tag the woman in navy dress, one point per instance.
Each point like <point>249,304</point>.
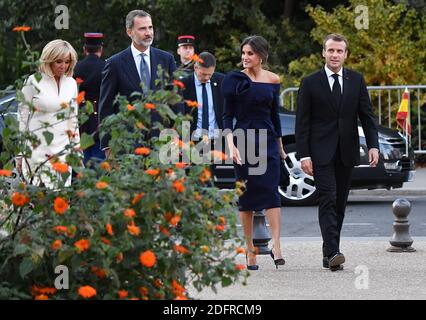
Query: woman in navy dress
<point>252,98</point>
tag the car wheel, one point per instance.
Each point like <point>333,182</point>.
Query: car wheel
<point>301,191</point>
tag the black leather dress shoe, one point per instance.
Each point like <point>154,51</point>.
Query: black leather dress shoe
<point>325,265</point>
<point>335,261</point>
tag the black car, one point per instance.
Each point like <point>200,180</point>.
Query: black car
<point>394,167</point>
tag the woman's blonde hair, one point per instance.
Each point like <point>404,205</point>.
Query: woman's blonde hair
<point>55,50</point>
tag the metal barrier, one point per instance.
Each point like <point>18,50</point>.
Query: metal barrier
<point>4,93</point>
<point>387,100</point>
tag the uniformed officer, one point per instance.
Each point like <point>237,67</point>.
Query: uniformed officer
<point>89,70</point>
<point>186,51</point>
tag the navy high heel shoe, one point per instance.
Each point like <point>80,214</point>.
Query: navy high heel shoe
<point>252,267</point>
<point>278,262</point>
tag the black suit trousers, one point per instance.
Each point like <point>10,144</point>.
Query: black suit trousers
<point>333,182</point>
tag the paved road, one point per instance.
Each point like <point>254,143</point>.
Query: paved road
<point>364,218</point>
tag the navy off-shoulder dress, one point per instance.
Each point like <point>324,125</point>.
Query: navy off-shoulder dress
<point>254,105</point>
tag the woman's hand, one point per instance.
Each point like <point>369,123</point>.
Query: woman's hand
<point>235,154</point>
<point>283,155</point>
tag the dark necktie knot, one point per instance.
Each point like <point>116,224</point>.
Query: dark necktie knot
<point>335,76</point>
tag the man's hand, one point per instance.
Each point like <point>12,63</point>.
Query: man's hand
<point>373,157</point>
<point>107,153</point>
<point>307,167</point>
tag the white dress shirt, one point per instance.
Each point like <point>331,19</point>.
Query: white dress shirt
<point>213,128</point>
<point>137,57</point>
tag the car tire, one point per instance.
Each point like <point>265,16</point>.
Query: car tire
<point>301,191</point>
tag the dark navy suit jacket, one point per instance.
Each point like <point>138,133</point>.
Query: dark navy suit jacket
<point>120,76</point>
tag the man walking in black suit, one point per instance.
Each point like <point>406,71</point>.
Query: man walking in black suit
<point>329,103</point>
<point>204,85</point>
<point>135,68</point>
<point>89,70</point>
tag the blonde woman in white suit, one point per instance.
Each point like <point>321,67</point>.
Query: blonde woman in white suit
<point>55,93</point>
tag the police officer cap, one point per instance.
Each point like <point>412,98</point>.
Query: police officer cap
<point>186,40</point>
<point>93,39</point>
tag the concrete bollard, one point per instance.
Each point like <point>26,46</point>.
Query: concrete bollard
<point>401,240</point>
<point>261,235</point>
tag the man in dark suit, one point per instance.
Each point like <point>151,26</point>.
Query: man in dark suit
<point>329,103</point>
<point>135,68</point>
<point>204,86</point>
<point>89,70</point>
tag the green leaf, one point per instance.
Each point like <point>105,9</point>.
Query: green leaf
<point>86,141</point>
<point>48,136</point>
<point>25,267</point>
<point>65,254</point>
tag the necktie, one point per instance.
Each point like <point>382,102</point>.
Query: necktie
<point>145,77</point>
<point>337,90</point>
<point>205,119</point>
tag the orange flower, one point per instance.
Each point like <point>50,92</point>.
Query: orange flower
<point>119,258</point>
<point>35,291</point>
<point>196,58</point>
<point>57,244</point>
<point>177,288</point>
<point>129,213</point>
<point>60,205</point>
<point>106,241</point>
<point>80,97</point>
<point>71,231</point>
<point>41,297</point>
<point>152,172</point>
<point>178,185</point>
<point>164,231</point>
<point>130,107</point>
<point>87,292</point>
<point>137,198</point>
<point>240,250</point>
<point>197,196</point>
<point>148,259</point>
<point>181,165</point>
<point>19,199</point>
<point>106,166</point>
<point>60,167</point>
<point>158,283</point>
<point>239,267</point>
<point>175,220</point>
<point>205,249</point>
<point>5,173</point>
<point>101,185</point>
<point>179,84</point>
<point>109,229</point>
<point>123,294</point>
<point>205,175</point>
<point>133,229</point>
<point>149,106</point>
<point>79,80</point>
<point>222,220</point>
<point>180,249</point>
<point>168,216</point>
<point>143,291</point>
<point>142,151</point>
<point>192,104</point>
<point>220,228</point>
<point>100,273</point>
<point>21,29</point>
<point>183,297</point>
<point>60,229</point>
<point>82,245</point>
